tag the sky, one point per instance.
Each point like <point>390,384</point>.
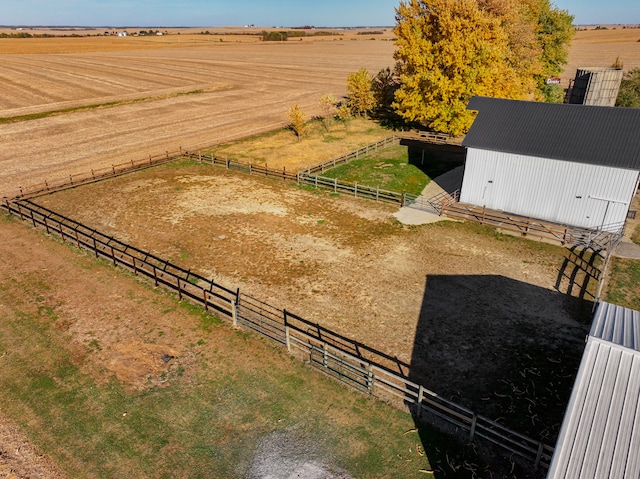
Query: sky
<point>288,13</point>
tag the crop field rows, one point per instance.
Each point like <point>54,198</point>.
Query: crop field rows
<point>191,96</point>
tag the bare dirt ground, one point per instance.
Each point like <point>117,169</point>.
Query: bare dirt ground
<point>460,305</point>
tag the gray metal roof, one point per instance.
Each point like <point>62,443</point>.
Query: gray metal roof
<point>600,434</point>
<point>617,325</point>
<point>597,135</point>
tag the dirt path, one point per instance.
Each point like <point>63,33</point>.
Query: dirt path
<point>19,459</point>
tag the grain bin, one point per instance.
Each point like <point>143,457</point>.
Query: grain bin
<point>596,86</point>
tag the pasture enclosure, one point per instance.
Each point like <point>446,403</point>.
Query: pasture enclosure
<point>310,253</point>
<point>353,363</point>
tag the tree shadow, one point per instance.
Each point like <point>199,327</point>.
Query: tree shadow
<point>505,349</point>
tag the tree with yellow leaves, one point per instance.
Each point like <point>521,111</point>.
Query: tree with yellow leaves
<point>447,52</point>
<point>451,50</point>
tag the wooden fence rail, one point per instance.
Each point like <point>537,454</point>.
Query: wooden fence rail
<point>243,167</point>
<point>365,150</point>
<point>50,186</point>
<point>378,381</point>
<point>352,189</point>
<point>188,285</point>
<point>348,361</point>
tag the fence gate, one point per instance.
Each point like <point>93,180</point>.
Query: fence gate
<point>347,370</point>
<point>261,317</point>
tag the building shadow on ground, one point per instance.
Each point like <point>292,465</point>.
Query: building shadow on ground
<point>503,348</point>
<point>434,160</point>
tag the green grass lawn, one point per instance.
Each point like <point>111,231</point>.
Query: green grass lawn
<point>624,284</point>
<point>387,168</point>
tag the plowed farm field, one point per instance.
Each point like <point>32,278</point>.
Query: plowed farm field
<point>115,106</point>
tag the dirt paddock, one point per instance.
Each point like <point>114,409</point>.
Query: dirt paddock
<point>464,307</point>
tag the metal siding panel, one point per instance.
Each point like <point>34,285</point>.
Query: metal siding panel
<point>617,325</point>
<point>567,438</point>
<point>585,423</point>
<point>602,415</point>
<point>543,188</point>
<point>479,168</point>
<point>600,434</point>
<point>615,419</point>
<point>626,443</point>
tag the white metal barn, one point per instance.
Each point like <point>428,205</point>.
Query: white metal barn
<point>600,433</point>
<point>576,165</point>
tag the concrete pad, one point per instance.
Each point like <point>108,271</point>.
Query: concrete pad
<point>412,216</point>
<point>627,249</point>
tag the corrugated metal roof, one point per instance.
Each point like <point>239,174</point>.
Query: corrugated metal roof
<point>597,135</point>
<point>600,434</point>
<point>617,325</point>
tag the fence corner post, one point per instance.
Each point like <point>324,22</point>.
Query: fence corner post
<point>287,333</point>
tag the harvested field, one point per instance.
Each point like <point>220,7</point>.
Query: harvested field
<point>463,306</point>
<point>600,48</point>
<point>165,98</point>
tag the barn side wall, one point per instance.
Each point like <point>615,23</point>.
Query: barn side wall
<point>565,192</point>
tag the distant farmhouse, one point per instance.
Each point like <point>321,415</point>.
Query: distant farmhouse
<point>576,165</point>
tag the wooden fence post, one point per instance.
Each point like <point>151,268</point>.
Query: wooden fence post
<point>324,354</point>
<point>234,312</point>
<point>287,332</point>
<point>539,454</point>
<point>205,300</point>
<point>46,226</point>
<point>179,290</point>
<point>95,247</point>
<point>135,269</point>
<point>113,255</point>
<point>155,275</point>
<point>33,220</point>
<point>371,380</point>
